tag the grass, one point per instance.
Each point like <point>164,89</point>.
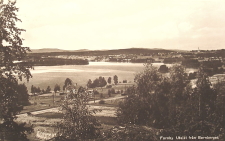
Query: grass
<point>45,102</point>
<point>109,103</point>
<point>102,119</point>
<point>42,102</point>
<point>50,115</point>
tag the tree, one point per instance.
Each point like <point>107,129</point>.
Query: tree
<point>67,82</point>
<point>32,89</point>
<point>178,82</point>
<point>171,104</point>
<point>103,82</point>
<point>38,90</point>
<point>142,106</point>
<point>48,89</point>
<point>147,80</point>
<point>109,80</point>
<point>56,88</point>
<point>163,69</point>
<point>78,122</point>
<point>23,96</point>
<point>12,67</point>
<point>206,94</point>
<point>115,78</point>
<point>89,83</point>
<point>96,83</point>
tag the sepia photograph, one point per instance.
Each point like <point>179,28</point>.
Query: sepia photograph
<point>112,70</point>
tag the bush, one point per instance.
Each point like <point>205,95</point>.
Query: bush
<point>113,91</point>
<point>109,86</point>
<point>124,81</point>
<point>163,69</point>
<point>101,102</point>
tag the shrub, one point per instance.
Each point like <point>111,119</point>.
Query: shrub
<point>109,86</point>
<point>101,102</point>
<point>113,91</point>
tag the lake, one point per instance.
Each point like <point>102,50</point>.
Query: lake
<point>44,76</point>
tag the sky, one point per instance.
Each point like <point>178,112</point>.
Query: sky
<point>117,24</point>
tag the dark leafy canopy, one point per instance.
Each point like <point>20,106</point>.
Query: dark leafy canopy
<point>12,66</point>
<point>23,96</point>
<point>67,83</point>
<point>115,78</point>
<point>170,103</point>
<point>10,35</point>
<point>56,88</point>
<point>98,82</point>
<point>109,80</point>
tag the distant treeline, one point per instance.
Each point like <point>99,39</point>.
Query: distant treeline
<point>194,63</point>
<point>57,61</point>
<point>172,60</point>
<point>105,52</point>
<point>147,60</point>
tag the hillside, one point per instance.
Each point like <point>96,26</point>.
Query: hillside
<point>98,52</point>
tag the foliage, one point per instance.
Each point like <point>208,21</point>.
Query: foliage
<point>13,68</point>
<point>53,61</point>
<point>67,82</point>
<point>78,122</point>
<point>191,63</point>
<point>109,80</point>
<point>12,131</point>
<point>36,90</point>
<point>170,103</point>
<point>130,133</point>
<point>192,75</point>
<point>98,82</point>
<point>163,69</point>
<point>109,86</point>
<point>101,102</point>
<point>23,96</point>
<point>56,88</point>
<point>89,83</point>
<point>48,89</point>
<point>115,78</point>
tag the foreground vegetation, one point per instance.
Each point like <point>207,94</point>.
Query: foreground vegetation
<point>174,106</point>
<point>10,72</point>
<point>157,107</point>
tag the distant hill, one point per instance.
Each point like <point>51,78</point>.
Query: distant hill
<point>48,50</point>
<point>99,52</point>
